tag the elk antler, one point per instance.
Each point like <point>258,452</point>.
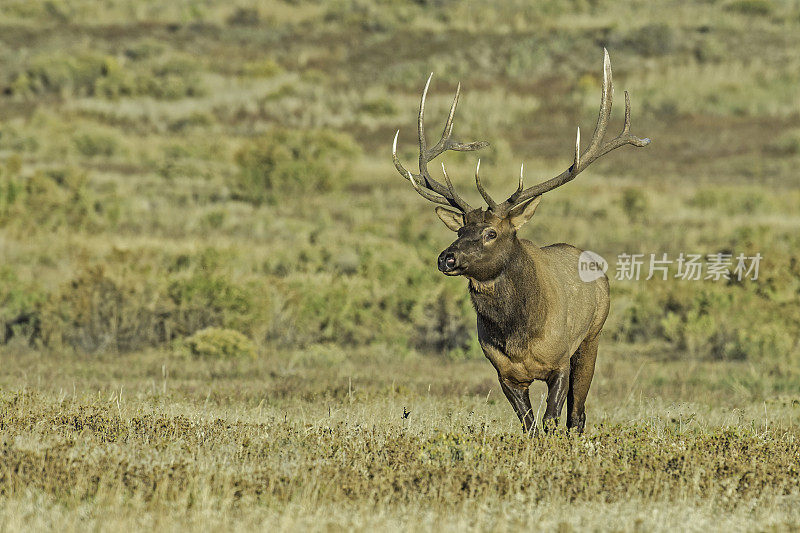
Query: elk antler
<point>423,183</point>
<point>596,147</point>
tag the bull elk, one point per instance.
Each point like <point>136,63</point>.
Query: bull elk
<point>537,320</point>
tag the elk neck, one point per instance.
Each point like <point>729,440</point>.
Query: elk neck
<point>513,301</point>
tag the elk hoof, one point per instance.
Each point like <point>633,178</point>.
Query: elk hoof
<point>576,423</point>
<point>549,424</point>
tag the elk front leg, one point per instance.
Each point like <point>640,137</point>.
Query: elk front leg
<point>521,402</point>
<point>557,386</point>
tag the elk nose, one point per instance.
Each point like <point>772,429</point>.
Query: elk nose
<point>447,261</point>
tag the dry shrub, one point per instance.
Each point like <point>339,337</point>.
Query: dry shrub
<point>98,311</point>
<point>87,73</point>
<point>220,343</point>
<point>445,326</point>
<point>52,198</point>
<point>95,312</point>
<point>750,7</point>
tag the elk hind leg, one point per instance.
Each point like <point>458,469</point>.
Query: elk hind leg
<point>580,378</point>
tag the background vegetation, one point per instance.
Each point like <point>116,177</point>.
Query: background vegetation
<point>218,298</point>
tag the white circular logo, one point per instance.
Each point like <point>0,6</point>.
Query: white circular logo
<point>591,266</point>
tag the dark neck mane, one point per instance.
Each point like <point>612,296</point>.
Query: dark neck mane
<point>511,301</point>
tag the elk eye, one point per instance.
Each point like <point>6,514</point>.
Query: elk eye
<point>491,234</point>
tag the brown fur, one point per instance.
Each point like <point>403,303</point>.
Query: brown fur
<point>537,320</point>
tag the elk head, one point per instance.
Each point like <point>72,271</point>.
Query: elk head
<point>487,238</point>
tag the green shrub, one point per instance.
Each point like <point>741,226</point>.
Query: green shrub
<point>11,187</point>
<point>445,326</point>
<point>115,81</point>
<point>348,310</point>
<point>528,58</point>
<point>705,322</point>
<point>364,15</point>
<point>748,201</point>
<point>379,107</point>
<point>704,199</point>
<point>54,73</point>
<point>92,74</point>
<point>145,49</point>
<point>787,144</point>
<point>700,328</point>
<point>244,16</point>
<point>131,308</point>
<point>96,312</point>
<point>219,343</point>
<point>287,162</point>
<point>19,307</point>
<point>174,78</point>
<point>198,119</point>
<point>651,40</point>
<point>709,326</point>
<point>52,198</point>
<point>640,321</point>
<point>206,299</point>
<point>93,144</point>
<point>634,204</point>
<point>81,74</point>
<point>750,7</point>
<point>214,219</point>
<point>344,312</point>
<point>264,68</point>
<point>710,49</point>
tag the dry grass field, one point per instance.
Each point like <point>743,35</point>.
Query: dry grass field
<point>219,305</point>
<point>156,443</point>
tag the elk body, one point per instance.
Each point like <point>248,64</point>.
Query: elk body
<point>537,319</point>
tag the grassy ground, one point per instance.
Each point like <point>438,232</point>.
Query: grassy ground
<point>217,297</point>
<point>143,441</point>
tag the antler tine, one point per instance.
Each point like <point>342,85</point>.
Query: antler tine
<point>625,136</point>
<point>445,195</point>
<point>415,179</point>
<point>425,155</point>
<point>596,147</point>
<point>425,193</point>
<point>398,165</point>
<point>626,128</point>
<point>421,119</point>
<point>606,99</point>
<point>446,141</point>
<point>448,126</point>
<point>462,204</point>
<point>489,200</point>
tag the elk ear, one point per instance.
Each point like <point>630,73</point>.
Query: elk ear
<point>522,213</point>
<point>451,219</point>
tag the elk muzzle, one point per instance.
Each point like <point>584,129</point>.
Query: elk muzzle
<point>448,264</point>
